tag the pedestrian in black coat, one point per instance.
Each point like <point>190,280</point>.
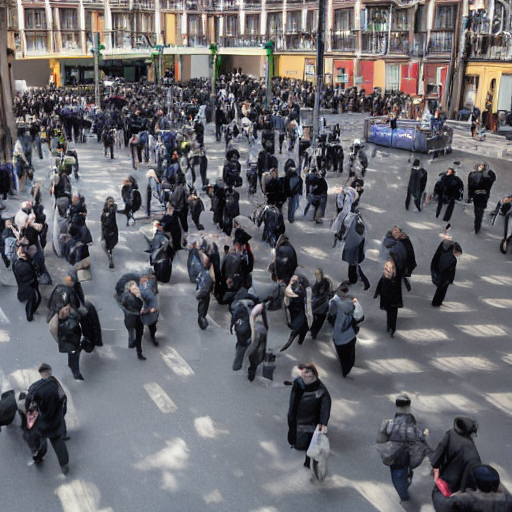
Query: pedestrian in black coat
<point>480,182</point>
<point>416,186</point>
<point>47,403</point>
<point>131,303</point>
<point>390,290</point>
<point>456,454</point>
<point>109,231</point>
<point>28,286</point>
<point>449,189</point>
<point>442,268</point>
<point>322,293</point>
<point>285,261</point>
<point>310,406</point>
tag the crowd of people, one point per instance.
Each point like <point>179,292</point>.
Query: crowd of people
<point>164,126</point>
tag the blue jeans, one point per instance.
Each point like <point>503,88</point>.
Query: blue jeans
<point>399,478</point>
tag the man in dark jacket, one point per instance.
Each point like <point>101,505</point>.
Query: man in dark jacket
<point>456,455</point>
<point>417,184</point>
<point>480,182</point>
<point>442,268</point>
<point>449,189</point>
<point>47,397</point>
<point>28,286</point>
<point>310,406</point>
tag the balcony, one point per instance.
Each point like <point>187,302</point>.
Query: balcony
<point>94,2</point>
<point>116,4</point>
<point>170,5</point>
<point>197,41</point>
<point>231,5</point>
<point>124,40</point>
<point>71,42</point>
<point>296,42</point>
<point>440,42</point>
<point>252,5</point>
<point>417,48</point>
<point>37,42</point>
<point>490,47</point>
<point>374,43</point>
<point>245,41</point>
<point>144,5</point>
<point>343,40</point>
<point>399,43</point>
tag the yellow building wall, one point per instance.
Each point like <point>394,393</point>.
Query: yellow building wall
<point>291,66</point>
<point>379,74</point>
<point>487,72</point>
<point>55,71</point>
<point>170,29</point>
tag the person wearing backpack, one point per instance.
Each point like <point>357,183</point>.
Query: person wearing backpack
<point>354,248</point>
<point>442,268</point>
<point>131,197</point>
<point>480,182</point>
<point>231,209</point>
<point>240,321</point>
<point>348,314</point>
<point>395,440</point>
<point>449,189</point>
<point>204,287</point>
<point>292,185</point>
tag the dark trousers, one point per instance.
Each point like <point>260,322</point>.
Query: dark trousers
<point>399,477</point>
<point>300,332</point>
<point>74,362</point>
<point>111,147</point>
<point>152,330</point>
<point>391,316</point>
<point>239,354</point>
<point>440,294</point>
<point>479,215</point>
<point>202,309</point>
<point>355,273</point>
<point>417,201</point>
<point>347,356</point>
<point>59,446</point>
<point>32,304</point>
<point>318,322</point>
<point>258,354</point>
<point>281,140</point>
<point>135,335</point>
<point>449,209</point>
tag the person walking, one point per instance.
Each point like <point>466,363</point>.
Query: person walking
<point>349,314</point>
<point>309,408</point>
<point>403,434</point>
<point>131,303</point>
<point>416,186</point>
<point>204,287</point>
<point>28,286</point>
<point>322,293</point>
<point>257,349</point>
<point>389,288</point>
<point>480,182</point>
<point>47,402</point>
<point>109,230</point>
<point>442,268</point>
<point>456,455</point>
<point>150,310</point>
<point>449,189</point>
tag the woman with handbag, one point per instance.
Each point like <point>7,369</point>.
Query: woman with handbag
<point>310,406</point>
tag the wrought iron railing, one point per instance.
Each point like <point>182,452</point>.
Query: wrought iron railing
<point>296,42</point>
<point>399,43</point>
<point>196,41</point>
<point>343,40</point>
<point>245,41</point>
<point>374,43</point>
<point>440,42</point>
<point>489,47</point>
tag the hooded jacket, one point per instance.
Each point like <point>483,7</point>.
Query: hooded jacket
<point>456,454</point>
<point>443,264</point>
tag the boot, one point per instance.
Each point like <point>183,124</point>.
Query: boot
<point>110,260</point>
<point>140,356</point>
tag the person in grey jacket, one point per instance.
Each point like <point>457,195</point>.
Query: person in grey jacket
<point>349,314</point>
<point>149,312</point>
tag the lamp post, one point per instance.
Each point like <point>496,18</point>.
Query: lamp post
<point>215,60</point>
<point>269,46</point>
<point>319,70</point>
<point>96,53</point>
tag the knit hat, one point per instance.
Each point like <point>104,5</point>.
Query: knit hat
<point>416,163</point>
<point>45,367</point>
<point>343,289</point>
<point>403,400</point>
<point>486,478</point>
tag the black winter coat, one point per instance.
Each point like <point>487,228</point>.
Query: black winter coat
<point>443,264</point>
<point>456,455</point>
<point>417,181</point>
<point>286,261</point>
<point>310,405</point>
<point>109,230</point>
<point>26,278</point>
<point>390,291</point>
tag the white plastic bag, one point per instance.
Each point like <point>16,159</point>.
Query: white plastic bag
<point>318,450</point>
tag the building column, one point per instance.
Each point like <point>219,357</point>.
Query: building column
<point>81,26</point>
<point>56,31</point>
<point>158,23</point>
<point>263,18</point>
<point>328,26</point>
<point>107,26</point>
<point>241,18</point>
<point>49,25</point>
<point>184,32</point>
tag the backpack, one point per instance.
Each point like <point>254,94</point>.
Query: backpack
<point>359,227</point>
<point>10,248</point>
<point>240,321</point>
<point>204,283</point>
<point>474,179</point>
<point>136,200</point>
<point>231,209</point>
<point>194,265</point>
<point>8,408</point>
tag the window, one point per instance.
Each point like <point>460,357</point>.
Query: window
<point>312,22</point>
<point>120,21</point>
<point>393,77</point>
<point>343,20</point>
<point>252,24</point>
<point>194,25</point>
<point>446,16</point>
<point>293,22</point>
<point>400,19</point>
<point>231,25</point>
<point>377,19</point>
<point>35,19</point>
<point>274,22</point>
<point>68,19</point>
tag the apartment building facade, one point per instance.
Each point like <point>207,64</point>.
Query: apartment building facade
<point>404,45</point>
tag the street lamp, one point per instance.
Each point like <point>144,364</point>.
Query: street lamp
<point>319,70</point>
